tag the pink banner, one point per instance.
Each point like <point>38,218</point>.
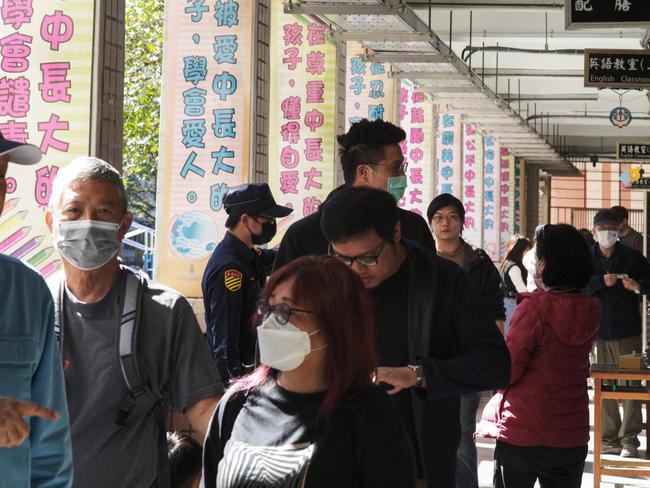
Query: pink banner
<point>473,184</point>
<point>491,182</point>
<point>448,174</point>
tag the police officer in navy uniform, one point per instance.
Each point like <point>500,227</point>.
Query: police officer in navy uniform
<point>235,275</point>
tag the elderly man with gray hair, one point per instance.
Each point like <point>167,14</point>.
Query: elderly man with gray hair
<point>118,396</point>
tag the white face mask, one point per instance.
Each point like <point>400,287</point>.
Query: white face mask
<point>86,244</point>
<point>607,238</point>
<point>283,346</point>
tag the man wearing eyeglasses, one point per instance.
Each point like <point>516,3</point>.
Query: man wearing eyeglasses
<point>446,215</point>
<point>370,156</point>
<point>434,336</point>
<point>235,275</point>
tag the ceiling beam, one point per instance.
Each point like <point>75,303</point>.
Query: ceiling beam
<point>334,8</point>
<point>558,97</point>
<point>402,57</point>
<point>340,35</point>
<point>502,4</point>
<point>555,73</point>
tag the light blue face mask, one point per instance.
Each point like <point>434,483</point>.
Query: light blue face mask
<point>87,244</point>
<point>395,185</point>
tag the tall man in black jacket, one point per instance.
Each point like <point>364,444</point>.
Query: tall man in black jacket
<point>370,156</point>
<point>434,337</point>
<point>621,276</point>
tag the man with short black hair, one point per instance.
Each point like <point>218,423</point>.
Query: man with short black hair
<point>446,215</point>
<point>370,156</point>
<point>621,276</point>
<point>435,338</point>
<point>235,275</point>
<point>626,234</point>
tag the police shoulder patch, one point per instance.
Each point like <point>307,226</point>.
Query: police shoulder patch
<point>232,278</point>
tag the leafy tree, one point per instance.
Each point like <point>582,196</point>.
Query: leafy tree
<point>142,83</point>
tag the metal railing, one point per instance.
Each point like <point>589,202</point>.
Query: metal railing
<point>138,247</point>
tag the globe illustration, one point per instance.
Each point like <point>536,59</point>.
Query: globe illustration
<point>194,235</point>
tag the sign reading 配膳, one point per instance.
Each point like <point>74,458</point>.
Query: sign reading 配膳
<point>303,114</point>
<point>617,68</point>
<point>491,201</point>
<point>204,132</point>
<point>580,14</point>
<point>473,184</point>
<point>46,56</point>
<point>416,118</point>
<point>634,150</point>
<point>369,90</point>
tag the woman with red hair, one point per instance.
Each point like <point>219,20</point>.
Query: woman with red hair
<point>309,415</point>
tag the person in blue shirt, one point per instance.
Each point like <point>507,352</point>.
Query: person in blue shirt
<point>235,275</point>
<point>34,426</point>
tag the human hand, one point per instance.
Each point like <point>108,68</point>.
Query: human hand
<point>13,428</point>
<point>610,279</point>
<point>630,284</point>
<point>400,378</point>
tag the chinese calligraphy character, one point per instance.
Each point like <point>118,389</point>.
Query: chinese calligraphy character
<point>290,132</point>
<point>43,189</point>
<point>217,193</point>
<point>315,34</point>
<point>49,128</point>
<point>197,9</point>
<point>357,65</point>
<point>291,108</point>
<point>15,50</point>
<point>289,182</point>
<point>57,29</point>
<point>219,164</point>
<point>315,91</point>
<point>193,131</point>
<point>583,6</point>
<point>190,166</point>
<point>311,176</point>
<point>195,69</point>
<point>292,34</point>
<point>55,85</point>
<point>292,59</point>
<point>226,13</point>
<point>315,63</point>
<point>225,48</point>
<point>224,85</point>
<point>194,100</point>
<point>313,149</point>
<point>17,12</point>
<point>314,119</point>
<point>224,125</point>
<point>14,97</point>
<point>622,5</point>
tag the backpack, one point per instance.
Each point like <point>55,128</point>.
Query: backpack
<point>140,399</point>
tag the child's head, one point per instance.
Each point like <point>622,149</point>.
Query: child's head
<point>184,460</point>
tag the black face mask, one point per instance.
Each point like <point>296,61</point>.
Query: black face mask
<point>269,229</point>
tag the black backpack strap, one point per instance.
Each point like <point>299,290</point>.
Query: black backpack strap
<point>227,412</point>
<point>140,398</point>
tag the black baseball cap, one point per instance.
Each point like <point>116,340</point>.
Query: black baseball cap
<point>19,152</point>
<point>254,199</point>
<point>607,216</point>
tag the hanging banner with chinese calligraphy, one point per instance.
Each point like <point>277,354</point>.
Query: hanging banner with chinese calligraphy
<point>520,185</point>
<point>491,207</point>
<point>416,118</point>
<point>448,157</point>
<point>302,128</point>
<point>369,90</point>
<point>473,184</point>
<point>507,197</point>
<point>204,132</point>
<point>46,55</point>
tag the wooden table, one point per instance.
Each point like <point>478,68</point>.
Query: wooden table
<point>604,372</point>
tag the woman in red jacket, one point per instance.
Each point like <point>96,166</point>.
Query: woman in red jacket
<point>541,422</point>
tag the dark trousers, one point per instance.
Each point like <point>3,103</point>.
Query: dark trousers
<point>555,467</point>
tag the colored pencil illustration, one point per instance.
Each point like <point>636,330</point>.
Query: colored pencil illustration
<point>40,257</point>
<point>14,238</point>
<point>10,205</point>
<point>13,221</point>
<point>50,268</point>
<point>26,248</point>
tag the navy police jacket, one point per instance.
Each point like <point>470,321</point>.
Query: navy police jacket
<point>231,285</point>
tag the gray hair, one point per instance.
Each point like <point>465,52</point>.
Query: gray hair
<point>87,168</point>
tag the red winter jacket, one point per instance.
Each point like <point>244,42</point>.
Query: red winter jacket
<point>546,402</point>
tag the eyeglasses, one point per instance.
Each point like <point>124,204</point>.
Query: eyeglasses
<point>282,311</point>
<point>362,260</point>
<point>451,218</point>
<point>395,170</point>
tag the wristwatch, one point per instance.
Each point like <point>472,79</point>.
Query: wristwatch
<point>419,373</point>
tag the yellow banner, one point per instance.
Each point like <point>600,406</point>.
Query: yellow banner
<point>204,132</point>
<point>46,51</point>
<point>302,115</point>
